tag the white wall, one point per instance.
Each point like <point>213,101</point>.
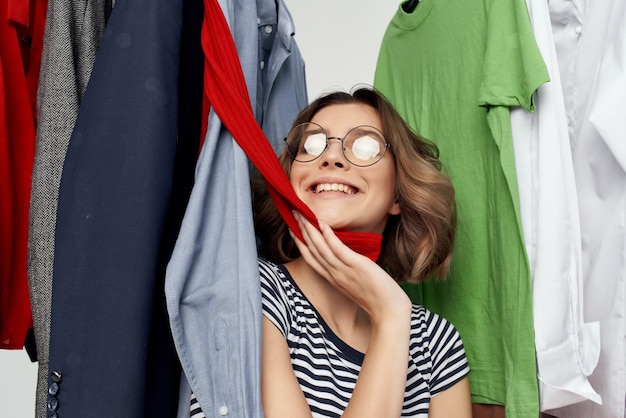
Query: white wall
<point>339,40</point>
<point>18,379</point>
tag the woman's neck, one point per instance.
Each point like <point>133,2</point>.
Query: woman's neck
<point>346,319</point>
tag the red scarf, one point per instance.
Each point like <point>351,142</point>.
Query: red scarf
<point>226,91</point>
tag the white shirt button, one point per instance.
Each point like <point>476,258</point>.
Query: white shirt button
<point>578,30</point>
<point>268,28</point>
<point>262,64</point>
<point>258,21</point>
<point>223,410</point>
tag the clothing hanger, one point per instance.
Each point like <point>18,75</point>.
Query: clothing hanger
<point>410,5</point>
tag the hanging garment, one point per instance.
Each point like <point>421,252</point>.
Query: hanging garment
<point>21,34</point>
<point>124,186</point>
<point>212,283</point>
<point>73,29</point>
<point>590,40</point>
<point>453,69</point>
<point>567,348</point>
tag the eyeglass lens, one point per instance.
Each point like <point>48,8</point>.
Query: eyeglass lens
<point>362,146</point>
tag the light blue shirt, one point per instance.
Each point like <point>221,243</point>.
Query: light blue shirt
<point>212,281</point>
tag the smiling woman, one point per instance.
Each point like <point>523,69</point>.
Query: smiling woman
<point>334,318</point>
<point>371,180</point>
<point>427,221</point>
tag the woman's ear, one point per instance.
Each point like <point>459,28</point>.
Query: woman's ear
<point>395,208</point>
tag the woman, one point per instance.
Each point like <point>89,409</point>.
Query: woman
<point>340,336</point>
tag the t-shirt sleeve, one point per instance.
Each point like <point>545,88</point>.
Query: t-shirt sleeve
<point>274,297</point>
<point>449,363</point>
<point>513,67</point>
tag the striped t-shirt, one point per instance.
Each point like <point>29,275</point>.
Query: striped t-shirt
<point>327,367</point>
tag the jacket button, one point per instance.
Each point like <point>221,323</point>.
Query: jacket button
<point>53,390</point>
<point>56,376</point>
<point>53,404</point>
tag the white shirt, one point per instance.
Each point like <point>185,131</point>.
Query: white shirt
<point>590,41</point>
<point>567,348</point>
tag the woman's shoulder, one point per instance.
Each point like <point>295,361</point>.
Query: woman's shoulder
<point>437,349</point>
<point>275,278</point>
<point>282,301</point>
<point>426,324</point>
<point>265,262</point>
<point>422,314</point>
<point>271,271</point>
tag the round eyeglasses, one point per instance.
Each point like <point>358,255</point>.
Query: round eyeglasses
<point>362,146</point>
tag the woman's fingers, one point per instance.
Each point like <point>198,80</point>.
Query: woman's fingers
<point>327,253</point>
<point>324,244</point>
<point>308,232</point>
<point>305,251</point>
<point>351,273</point>
<point>317,253</point>
<point>337,248</point>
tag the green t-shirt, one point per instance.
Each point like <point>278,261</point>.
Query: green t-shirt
<point>453,69</point>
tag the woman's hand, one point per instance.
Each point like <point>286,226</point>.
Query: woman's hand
<point>380,387</point>
<point>353,274</point>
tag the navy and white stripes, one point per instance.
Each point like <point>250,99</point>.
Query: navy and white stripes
<point>327,368</point>
<point>194,408</point>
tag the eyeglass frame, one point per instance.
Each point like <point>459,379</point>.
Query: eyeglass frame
<point>387,145</point>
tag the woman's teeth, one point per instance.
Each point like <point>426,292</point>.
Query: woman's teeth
<point>333,187</point>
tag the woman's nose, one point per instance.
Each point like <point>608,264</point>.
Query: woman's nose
<point>333,155</point>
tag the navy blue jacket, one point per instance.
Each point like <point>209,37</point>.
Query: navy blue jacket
<point>126,180</point>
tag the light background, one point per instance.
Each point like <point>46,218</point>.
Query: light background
<point>339,40</point>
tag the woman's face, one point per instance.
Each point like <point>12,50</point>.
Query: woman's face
<point>345,196</point>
